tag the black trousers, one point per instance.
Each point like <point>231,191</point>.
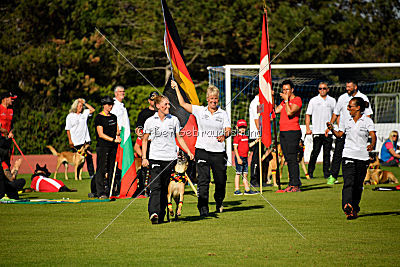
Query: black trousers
<point>88,159</point>
<point>320,140</point>
<point>10,188</point>
<point>254,165</point>
<point>354,172</point>
<point>290,145</point>
<point>217,162</point>
<point>337,156</point>
<point>105,169</point>
<point>160,172</point>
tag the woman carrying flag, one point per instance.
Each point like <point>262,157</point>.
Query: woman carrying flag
<point>213,128</point>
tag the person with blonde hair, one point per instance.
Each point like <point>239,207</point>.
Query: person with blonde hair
<point>163,128</point>
<point>78,131</point>
<point>213,128</point>
<point>389,157</point>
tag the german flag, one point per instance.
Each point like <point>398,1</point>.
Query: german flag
<point>180,73</point>
<point>173,48</point>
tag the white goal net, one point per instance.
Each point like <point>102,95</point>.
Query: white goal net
<point>238,85</point>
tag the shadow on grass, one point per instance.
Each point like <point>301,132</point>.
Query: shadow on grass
<point>380,213</point>
<point>315,187</point>
<point>229,206</point>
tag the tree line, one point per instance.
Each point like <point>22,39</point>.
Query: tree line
<point>51,52</point>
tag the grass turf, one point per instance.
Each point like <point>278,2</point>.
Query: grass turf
<point>248,232</point>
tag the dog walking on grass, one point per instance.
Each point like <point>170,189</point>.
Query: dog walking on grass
<point>74,158</point>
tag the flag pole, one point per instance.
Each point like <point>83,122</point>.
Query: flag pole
<point>278,175</point>
<point>260,162</point>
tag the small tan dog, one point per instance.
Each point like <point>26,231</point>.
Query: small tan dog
<point>375,175</point>
<point>74,158</point>
<point>176,187</point>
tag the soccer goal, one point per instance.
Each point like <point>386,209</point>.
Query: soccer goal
<point>238,85</point>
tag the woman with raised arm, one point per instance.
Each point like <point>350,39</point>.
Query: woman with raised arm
<point>213,128</point>
<point>163,128</point>
<point>290,133</point>
<point>355,154</point>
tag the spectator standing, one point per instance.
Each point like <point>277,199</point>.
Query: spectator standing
<point>253,135</point>
<point>341,113</point>
<point>78,131</point>
<point>141,119</point>
<point>355,162</point>
<point>163,128</point>
<point>213,128</point>
<point>241,149</point>
<point>121,112</point>
<point>146,113</point>
<point>6,126</point>
<point>290,132</point>
<point>389,157</point>
<point>107,134</point>
<point>320,108</point>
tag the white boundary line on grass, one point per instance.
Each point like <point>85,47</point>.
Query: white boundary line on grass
<point>116,217</point>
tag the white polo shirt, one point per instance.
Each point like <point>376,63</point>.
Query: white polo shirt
<point>163,145</point>
<point>254,134</point>
<point>210,127</point>
<point>120,111</point>
<point>343,102</point>
<point>76,124</point>
<point>321,111</point>
<point>357,134</point>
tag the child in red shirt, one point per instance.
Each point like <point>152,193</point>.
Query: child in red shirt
<point>241,148</point>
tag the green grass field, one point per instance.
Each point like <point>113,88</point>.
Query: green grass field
<point>249,232</point>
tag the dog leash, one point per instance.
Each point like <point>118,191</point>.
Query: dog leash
<point>19,149</point>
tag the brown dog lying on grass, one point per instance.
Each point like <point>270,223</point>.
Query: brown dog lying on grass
<point>375,175</point>
<point>74,158</point>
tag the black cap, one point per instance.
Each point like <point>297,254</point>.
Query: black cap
<point>153,95</point>
<point>107,100</point>
<point>7,95</point>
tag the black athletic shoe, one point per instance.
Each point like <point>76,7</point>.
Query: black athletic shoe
<point>204,212</point>
<point>351,214</point>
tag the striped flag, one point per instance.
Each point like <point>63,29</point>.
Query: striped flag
<point>180,73</point>
<point>126,160</point>
<point>173,48</point>
<point>265,86</point>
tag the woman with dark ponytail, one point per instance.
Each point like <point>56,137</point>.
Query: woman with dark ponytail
<point>355,154</point>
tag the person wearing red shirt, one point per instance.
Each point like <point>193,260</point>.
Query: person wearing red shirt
<point>6,119</point>
<point>241,148</point>
<point>290,132</point>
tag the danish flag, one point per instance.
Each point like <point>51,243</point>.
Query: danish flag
<point>265,85</point>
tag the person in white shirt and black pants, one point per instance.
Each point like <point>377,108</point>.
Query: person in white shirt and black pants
<point>355,154</point>
<point>213,128</point>
<point>163,129</point>
<point>320,108</point>
<point>340,113</point>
